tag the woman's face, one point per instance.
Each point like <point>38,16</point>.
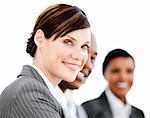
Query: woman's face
<point>64,57</point>
<point>119,75</point>
<point>87,69</point>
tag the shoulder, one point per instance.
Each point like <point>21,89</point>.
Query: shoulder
<point>95,102</point>
<point>33,89</point>
<point>138,112</point>
<point>19,86</point>
<point>30,95</point>
<point>26,89</point>
<point>93,106</point>
<point>23,84</point>
<point>91,102</point>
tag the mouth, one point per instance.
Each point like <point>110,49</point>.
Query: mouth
<point>122,85</point>
<point>81,76</point>
<point>85,72</point>
<point>72,66</point>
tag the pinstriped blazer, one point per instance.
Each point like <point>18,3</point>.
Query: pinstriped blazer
<point>100,108</point>
<point>29,97</point>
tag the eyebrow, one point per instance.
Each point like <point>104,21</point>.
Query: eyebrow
<point>76,39</point>
<point>71,37</point>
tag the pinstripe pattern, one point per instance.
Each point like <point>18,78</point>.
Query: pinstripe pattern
<point>29,97</point>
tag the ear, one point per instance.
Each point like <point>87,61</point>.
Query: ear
<point>39,37</point>
<point>104,75</point>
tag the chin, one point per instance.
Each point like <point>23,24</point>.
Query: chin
<point>75,87</point>
<point>69,78</point>
<point>121,94</point>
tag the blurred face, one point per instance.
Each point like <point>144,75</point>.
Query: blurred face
<point>84,73</point>
<point>119,74</point>
<point>64,57</point>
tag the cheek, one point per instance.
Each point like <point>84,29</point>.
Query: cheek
<point>61,53</point>
<point>85,57</point>
<point>66,51</point>
<point>112,77</point>
<point>130,80</point>
<point>113,80</point>
<point>88,64</point>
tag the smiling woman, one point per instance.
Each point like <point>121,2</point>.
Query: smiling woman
<point>118,70</point>
<point>64,57</point>
<point>59,47</point>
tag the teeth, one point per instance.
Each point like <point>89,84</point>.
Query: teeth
<point>122,85</point>
<point>80,76</point>
<point>86,72</point>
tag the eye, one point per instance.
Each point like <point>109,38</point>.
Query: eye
<point>115,70</point>
<point>85,47</point>
<point>68,42</point>
<point>130,71</point>
<point>93,59</point>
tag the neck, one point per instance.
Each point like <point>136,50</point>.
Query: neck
<point>123,99</point>
<point>62,87</point>
<point>52,79</point>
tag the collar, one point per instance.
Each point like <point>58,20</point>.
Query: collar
<point>62,97</point>
<point>118,108</point>
<point>51,88</point>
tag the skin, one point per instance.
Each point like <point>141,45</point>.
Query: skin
<point>119,75</point>
<point>84,73</point>
<point>63,58</point>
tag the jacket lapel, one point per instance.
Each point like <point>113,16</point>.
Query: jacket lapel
<point>105,106</point>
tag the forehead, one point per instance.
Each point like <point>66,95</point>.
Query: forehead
<point>93,44</point>
<point>93,47</point>
<point>121,62</point>
<point>82,35</point>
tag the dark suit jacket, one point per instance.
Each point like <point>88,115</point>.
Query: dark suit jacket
<point>29,97</point>
<point>100,108</point>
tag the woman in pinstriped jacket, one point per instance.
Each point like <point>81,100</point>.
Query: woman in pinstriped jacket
<point>59,48</point>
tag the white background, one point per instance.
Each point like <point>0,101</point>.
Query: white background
<point>116,24</point>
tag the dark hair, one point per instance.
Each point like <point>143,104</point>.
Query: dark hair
<point>114,54</point>
<point>58,19</point>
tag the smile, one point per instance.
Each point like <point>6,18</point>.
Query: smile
<point>81,76</point>
<point>122,85</point>
<point>72,66</point>
<point>86,72</point>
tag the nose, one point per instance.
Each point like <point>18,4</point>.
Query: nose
<point>78,54</point>
<point>123,76</point>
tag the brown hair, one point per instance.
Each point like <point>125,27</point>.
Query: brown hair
<point>58,19</point>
